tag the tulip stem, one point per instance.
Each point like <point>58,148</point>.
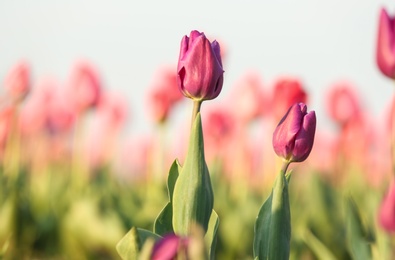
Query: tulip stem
<point>284,168</point>
<point>196,109</point>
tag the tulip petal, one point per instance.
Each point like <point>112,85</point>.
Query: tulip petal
<point>305,138</point>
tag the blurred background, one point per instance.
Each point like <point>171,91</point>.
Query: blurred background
<point>318,41</point>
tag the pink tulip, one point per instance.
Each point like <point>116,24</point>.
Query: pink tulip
<point>387,210</point>
<point>343,103</point>
<point>84,87</point>
<point>286,92</point>
<point>17,82</point>
<point>294,136</point>
<point>199,71</point>
<point>170,247</point>
<point>385,49</point>
<point>247,98</point>
<point>163,95</point>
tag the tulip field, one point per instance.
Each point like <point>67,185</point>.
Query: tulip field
<point>250,177</point>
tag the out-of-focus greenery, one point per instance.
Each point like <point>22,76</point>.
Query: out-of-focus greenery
<point>42,216</point>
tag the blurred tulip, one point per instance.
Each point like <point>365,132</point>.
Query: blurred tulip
<point>85,86</point>
<point>294,136</point>
<point>199,71</point>
<point>385,49</point>
<point>61,116</point>
<point>17,82</point>
<point>343,103</point>
<point>286,92</point>
<point>387,210</point>
<point>34,113</point>
<point>170,247</point>
<point>247,99</point>
<point>164,94</point>
<point>219,129</point>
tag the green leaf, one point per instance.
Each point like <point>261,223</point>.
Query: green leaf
<point>163,222</point>
<point>272,227</point>
<point>319,249</point>
<point>193,196</point>
<point>130,245</point>
<point>211,235</point>
<point>357,242</point>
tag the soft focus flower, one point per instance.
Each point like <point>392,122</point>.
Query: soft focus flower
<point>286,92</point>
<point>17,82</point>
<point>294,136</point>
<point>199,71</point>
<point>247,98</point>
<point>170,247</point>
<point>385,51</point>
<point>343,103</point>
<point>163,95</point>
<point>387,210</point>
<point>85,86</point>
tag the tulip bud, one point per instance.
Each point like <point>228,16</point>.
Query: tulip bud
<point>294,136</point>
<point>385,51</point>
<point>17,82</point>
<point>199,71</point>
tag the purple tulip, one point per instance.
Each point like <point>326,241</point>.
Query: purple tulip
<point>294,136</point>
<point>169,247</point>
<point>199,72</point>
<point>386,44</point>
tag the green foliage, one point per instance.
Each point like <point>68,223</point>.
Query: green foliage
<point>272,232</point>
<point>193,197</point>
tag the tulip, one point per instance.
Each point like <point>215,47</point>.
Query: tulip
<point>170,247</point>
<point>286,92</point>
<point>199,71</point>
<point>385,51</point>
<point>17,82</point>
<point>387,210</point>
<point>294,136</point>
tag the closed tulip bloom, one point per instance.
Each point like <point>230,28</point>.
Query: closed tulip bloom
<point>17,82</point>
<point>199,71</point>
<point>169,247</point>
<point>385,55</point>
<point>294,136</point>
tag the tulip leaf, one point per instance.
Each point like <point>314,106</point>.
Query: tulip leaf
<point>163,222</point>
<point>193,196</point>
<point>130,245</point>
<point>211,235</point>
<point>357,241</point>
<point>272,227</point>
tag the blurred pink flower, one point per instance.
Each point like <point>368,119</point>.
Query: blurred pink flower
<point>170,247</point>
<point>34,112</point>
<point>343,103</point>
<point>163,94</point>
<point>387,210</point>
<point>84,89</point>
<point>17,82</point>
<point>385,49</point>
<point>62,115</point>
<point>219,129</point>
<point>247,97</point>
<point>286,92</point>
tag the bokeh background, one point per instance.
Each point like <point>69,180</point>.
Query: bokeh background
<point>318,41</point>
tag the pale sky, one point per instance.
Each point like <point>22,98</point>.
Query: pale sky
<point>320,42</point>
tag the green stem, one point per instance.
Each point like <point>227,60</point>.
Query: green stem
<point>284,167</point>
<point>196,109</point>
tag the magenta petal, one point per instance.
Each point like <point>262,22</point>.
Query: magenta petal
<point>305,138</point>
<point>385,54</point>
<point>284,135</point>
<point>166,248</point>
